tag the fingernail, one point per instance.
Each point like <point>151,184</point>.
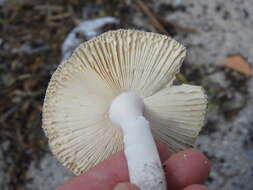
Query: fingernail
<point>125,186</point>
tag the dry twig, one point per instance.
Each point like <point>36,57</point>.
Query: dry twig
<point>159,23</point>
<point>152,17</point>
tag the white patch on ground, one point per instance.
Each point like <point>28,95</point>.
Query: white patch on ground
<point>88,29</point>
<point>2,2</point>
<point>232,166</point>
<point>224,27</point>
<point>49,174</point>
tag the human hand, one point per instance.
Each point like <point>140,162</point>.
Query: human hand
<point>183,170</point>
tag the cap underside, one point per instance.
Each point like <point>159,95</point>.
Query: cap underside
<point>78,98</point>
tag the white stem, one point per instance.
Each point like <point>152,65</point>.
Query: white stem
<point>143,160</point>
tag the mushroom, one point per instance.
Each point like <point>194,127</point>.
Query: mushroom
<point>115,92</point>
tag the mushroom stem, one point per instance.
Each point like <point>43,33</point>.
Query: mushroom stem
<point>144,165</point>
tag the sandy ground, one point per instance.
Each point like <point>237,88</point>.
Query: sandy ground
<point>223,28</point>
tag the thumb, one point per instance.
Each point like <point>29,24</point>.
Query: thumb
<point>125,186</point>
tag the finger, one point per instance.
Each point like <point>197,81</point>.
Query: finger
<point>125,186</point>
<point>108,173</point>
<point>196,187</point>
<point>104,176</point>
<point>163,150</point>
<point>185,168</point>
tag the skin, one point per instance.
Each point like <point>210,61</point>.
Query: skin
<point>184,171</point>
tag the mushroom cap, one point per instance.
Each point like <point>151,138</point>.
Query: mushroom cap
<point>76,106</point>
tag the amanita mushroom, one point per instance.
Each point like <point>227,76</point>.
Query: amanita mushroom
<point>113,91</point>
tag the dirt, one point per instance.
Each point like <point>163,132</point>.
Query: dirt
<point>31,37</point>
